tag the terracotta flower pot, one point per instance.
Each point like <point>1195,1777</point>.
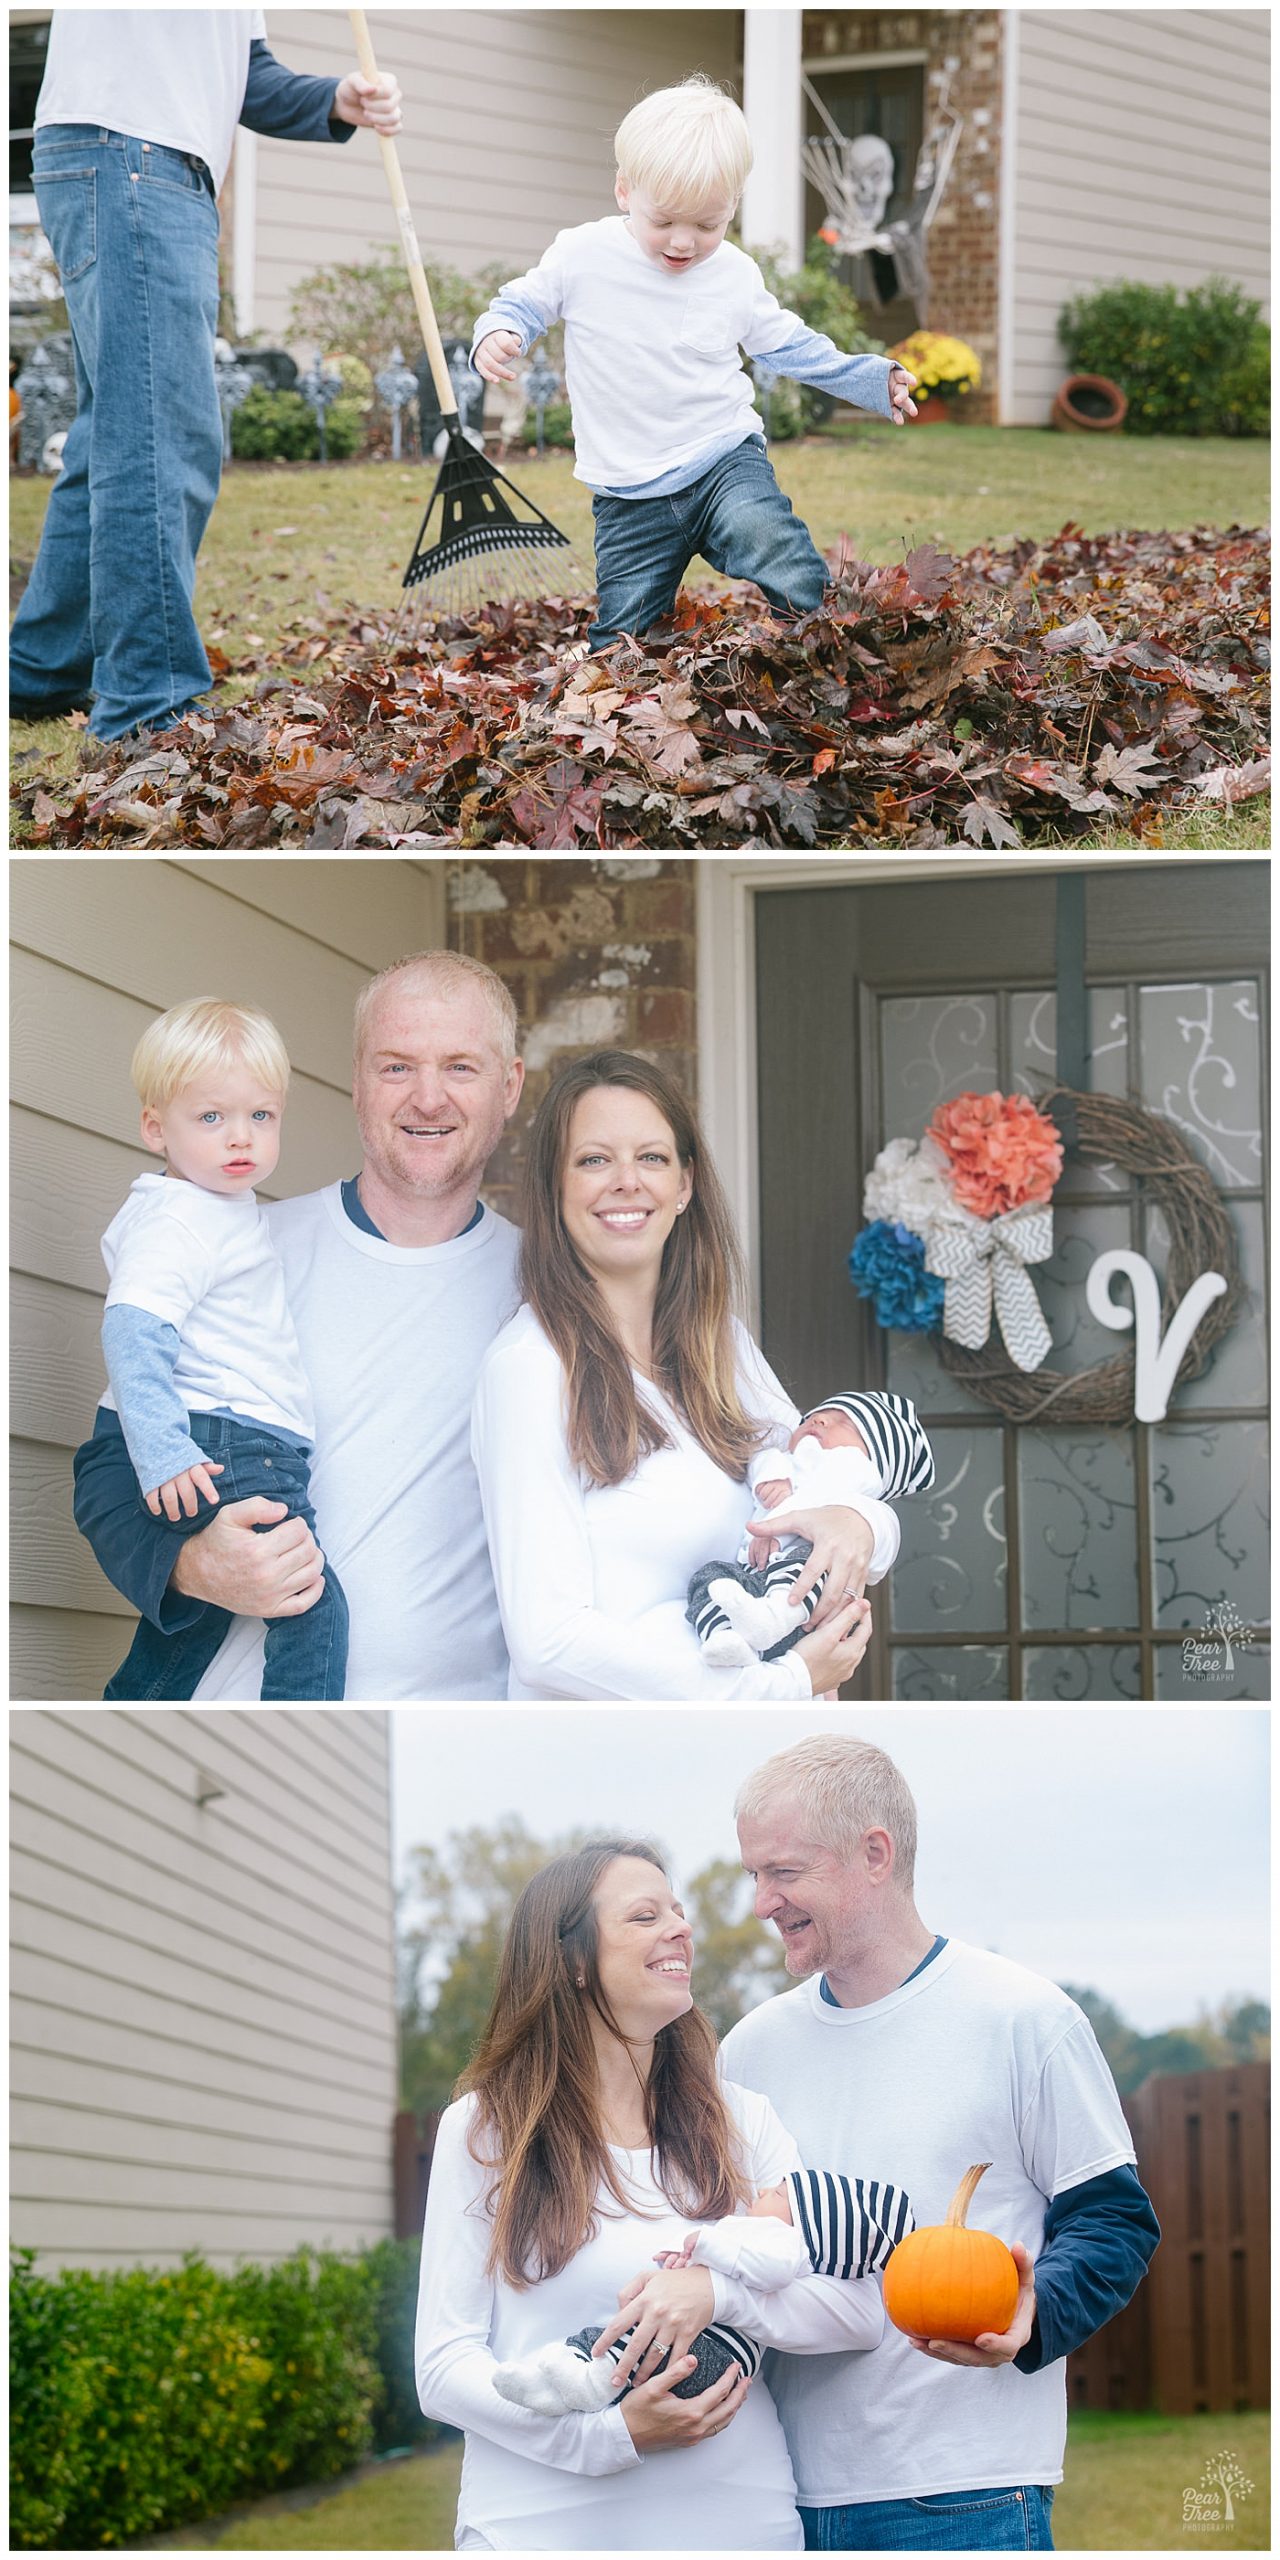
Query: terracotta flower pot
<point>934,412</point>
<point>1088,404</point>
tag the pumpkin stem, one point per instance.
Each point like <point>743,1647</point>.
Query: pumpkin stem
<point>963,2197</point>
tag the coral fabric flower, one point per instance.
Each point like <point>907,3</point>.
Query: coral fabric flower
<point>1003,1153</point>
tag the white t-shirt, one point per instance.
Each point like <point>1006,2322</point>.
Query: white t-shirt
<point>392,1336</point>
<point>592,1579</point>
<point>652,367</point>
<point>576,2483</point>
<point>973,2059</point>
<point>175,76</point>
<point>207,1266</point>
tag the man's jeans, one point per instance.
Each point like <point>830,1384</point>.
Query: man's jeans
<point>134,229</point>
<point>961,2520</point>
<point>735,515</point>
<point>306,1657</point>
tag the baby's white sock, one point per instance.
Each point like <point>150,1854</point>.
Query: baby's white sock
<point>760,1622</point>
<point>557,2379</point>
<point>727,1650</point>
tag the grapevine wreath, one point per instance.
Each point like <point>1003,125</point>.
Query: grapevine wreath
<point>956,1220</point>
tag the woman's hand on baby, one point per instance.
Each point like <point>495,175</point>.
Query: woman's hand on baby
<point>182,1493</point>
<point>657,2421</point>
<point>842,1545</point>
<point>901,385</point>
<point>831,1653</point>
<point>496,355</point>
<point>664,2311</point>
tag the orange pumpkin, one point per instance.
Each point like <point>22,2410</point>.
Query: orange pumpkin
<point>950,2282</point>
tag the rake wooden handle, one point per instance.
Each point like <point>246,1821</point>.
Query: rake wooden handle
<point>440,375</point>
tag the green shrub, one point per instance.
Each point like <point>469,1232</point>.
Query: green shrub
<point>277,426</point>
<point>557,425</point>
<point>1245,389</point>
<point>367,308</point>
<point>817,295</point>
<point>142,2399</point>
<point>785,416</point>
<point>1173,354</point>
<point>397,2419</point>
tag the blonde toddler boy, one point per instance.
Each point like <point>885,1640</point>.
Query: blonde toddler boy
<point>206,1379</point>
<point>656,305</point>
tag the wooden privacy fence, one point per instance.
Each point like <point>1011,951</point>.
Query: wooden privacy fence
<point>1196,2335</point>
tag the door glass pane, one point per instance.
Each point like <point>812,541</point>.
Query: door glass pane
<point>1033,1063</point>
<point>1199,1671</point>
<point>915,1369</point>
<point>951,1568</point>
<point>951,1671</point>
<point>1079,1529</point>
<point>1209,1523</point>
<point>1201,1067</point>
<point>1082,1671</point>
<point>1079,1236</point>
<point>930,1048</point>
<point>1237,1372</point>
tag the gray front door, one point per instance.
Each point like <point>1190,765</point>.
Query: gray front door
<point>1054,1564</point>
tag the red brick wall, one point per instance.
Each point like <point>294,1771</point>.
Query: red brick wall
<point>598,955</point>
<point>964,237</point>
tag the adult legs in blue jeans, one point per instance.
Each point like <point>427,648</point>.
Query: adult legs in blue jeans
<point>134,229</point>
<point>961,2520</point>
<point>734,515</point>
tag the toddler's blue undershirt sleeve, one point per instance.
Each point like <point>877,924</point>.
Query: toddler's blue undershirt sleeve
<point>141,1353</point>
<point>510,311</point>
<point>808,356</point>
<point>1098,2239</point>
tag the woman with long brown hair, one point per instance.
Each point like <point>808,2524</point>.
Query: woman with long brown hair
<point>616,1413</point>
<point>591,2113</point>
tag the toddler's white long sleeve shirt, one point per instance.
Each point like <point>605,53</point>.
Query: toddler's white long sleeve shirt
<point>652,364</point>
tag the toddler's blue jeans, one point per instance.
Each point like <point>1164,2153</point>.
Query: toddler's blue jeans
<point>735,515</point>
<point>134,229</point>
<point>960,2520</point>
<point>306,1657</point>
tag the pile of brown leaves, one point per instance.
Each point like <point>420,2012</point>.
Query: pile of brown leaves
<point>1020,696</point>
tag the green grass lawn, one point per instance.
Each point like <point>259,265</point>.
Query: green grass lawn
<point>1123,2491</point>
<point>286,541</point>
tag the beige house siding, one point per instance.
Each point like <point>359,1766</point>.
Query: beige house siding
<point>98,948</point>
<point>1141,150</point>
<point>509,117</point>
<point>202,1994</point>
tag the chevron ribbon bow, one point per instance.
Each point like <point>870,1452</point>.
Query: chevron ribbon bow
<point>984,1260</point>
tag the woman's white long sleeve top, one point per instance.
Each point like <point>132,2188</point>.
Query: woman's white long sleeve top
<point>592,1579</point>
<point>577,2482</point>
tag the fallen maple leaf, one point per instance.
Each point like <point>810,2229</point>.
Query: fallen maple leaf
<point>1129,769</point>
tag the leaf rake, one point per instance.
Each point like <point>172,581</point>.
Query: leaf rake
<point>490,543</point>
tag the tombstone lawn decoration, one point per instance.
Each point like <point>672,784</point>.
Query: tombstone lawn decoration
<point>395,387</point>
<point>320,386</point>
<point>468,391</point>
<point>234,384</point>
<point>47,389</point>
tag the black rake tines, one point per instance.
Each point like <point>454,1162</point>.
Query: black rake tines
<point>478,511</point>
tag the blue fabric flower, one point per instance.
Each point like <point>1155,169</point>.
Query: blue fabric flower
<point>887,1266</point>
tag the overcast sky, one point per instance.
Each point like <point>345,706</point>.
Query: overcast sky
<point>1124,1849</point>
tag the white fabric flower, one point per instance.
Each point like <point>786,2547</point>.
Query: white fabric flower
<point>910,1185</point>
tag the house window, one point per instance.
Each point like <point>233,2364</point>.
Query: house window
<point>28,45</point>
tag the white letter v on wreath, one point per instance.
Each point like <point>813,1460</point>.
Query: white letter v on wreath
<point>1155,1361</point>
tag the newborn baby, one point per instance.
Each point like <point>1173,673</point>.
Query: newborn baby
<point>813,2222</point>
<point>851,1444</point>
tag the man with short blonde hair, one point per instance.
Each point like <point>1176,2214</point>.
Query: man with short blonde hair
<point>398,1280</point>
<point>902,2045</point>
